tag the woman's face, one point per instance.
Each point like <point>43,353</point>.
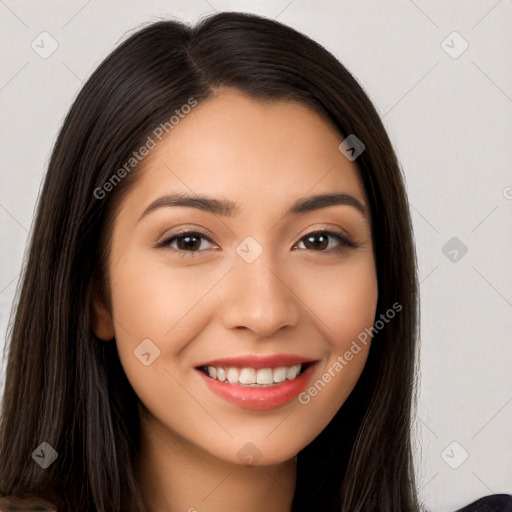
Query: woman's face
<point>256,291</point>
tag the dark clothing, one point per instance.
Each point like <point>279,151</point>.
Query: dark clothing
<point>494,503</point>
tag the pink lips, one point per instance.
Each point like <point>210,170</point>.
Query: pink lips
<point>259,398</point>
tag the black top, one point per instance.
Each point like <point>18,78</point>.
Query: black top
<point>494,503</point>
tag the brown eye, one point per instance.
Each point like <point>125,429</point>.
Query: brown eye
<point>319,241</point>
<point>186,242</point>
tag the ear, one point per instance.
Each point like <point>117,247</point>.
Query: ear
<point>101,318</point>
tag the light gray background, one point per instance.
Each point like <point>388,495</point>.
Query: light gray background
<point>450,122</point>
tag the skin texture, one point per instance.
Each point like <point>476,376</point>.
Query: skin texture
<point>295,298</point>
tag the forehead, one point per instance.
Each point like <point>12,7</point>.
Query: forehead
<point>233,145</point>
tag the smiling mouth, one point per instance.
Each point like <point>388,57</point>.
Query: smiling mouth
<point>254,377</point>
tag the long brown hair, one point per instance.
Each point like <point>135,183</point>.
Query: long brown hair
<point>67,389</point>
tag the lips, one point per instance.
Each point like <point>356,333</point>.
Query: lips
<point>258,381</point>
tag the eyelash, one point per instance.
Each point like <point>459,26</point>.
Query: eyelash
<point>340,237</point>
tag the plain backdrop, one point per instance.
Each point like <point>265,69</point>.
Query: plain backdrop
<point>440,75</point>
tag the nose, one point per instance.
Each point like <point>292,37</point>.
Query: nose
<point>259,296</point>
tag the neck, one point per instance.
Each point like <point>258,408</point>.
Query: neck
<point>178,476</point>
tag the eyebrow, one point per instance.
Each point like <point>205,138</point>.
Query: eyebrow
<point>227,208</point>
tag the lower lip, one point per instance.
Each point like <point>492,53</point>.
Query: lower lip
<point>259,398</point>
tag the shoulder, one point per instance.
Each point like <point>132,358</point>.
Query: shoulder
<point>493,503</point>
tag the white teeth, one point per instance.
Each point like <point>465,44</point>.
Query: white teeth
<point>279,374</point>
<point>293,371</point>
<point>232,375</point>
<point>247,376</point>
<point>264,376</point>
<point>254,377</point>
<point>221,374</point>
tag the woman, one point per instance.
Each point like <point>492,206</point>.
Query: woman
<point>220,299</point>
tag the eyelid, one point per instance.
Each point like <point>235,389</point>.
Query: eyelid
<point>327,228</point>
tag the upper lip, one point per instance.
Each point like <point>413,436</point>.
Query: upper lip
<point>259,361</point>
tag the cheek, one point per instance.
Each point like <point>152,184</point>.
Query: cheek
<point>156,311</point>
<point>153,300</point>
<point>346,307</point>
<point>343,298</point>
